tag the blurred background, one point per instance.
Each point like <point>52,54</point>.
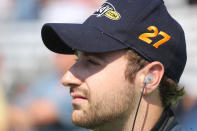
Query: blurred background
<point>31,95</point>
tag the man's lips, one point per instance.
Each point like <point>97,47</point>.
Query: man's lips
<point>78,96</point>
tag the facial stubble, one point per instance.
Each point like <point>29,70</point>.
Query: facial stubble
<point>116,107</point>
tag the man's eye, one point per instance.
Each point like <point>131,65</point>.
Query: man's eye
<point>92,62</point>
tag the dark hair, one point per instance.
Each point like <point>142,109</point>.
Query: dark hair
<point>169,90</point>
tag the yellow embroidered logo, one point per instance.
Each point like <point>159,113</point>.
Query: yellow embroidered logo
<point>146,36</point>
<point>112,15</point>
<point>109,11</point>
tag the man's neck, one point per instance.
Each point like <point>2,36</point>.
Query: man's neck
<point>148,116</point>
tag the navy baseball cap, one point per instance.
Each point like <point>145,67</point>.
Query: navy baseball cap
<point>143,26</point>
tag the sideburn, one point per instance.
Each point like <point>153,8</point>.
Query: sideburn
<point>135,63</point>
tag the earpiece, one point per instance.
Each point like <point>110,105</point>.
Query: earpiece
<point>148,78</point>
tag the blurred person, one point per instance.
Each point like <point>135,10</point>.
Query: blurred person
<point>189,119</point>
<point>185,105</point>
<point>45,105</point>
<point>27,9</point>
<point>131,55</point>
<point>3,111</point>
<point>3,104</point>
<point>188,102</point>
<point>190,98</point>
<point>192,1</point>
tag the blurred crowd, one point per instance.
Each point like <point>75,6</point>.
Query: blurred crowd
<point>47,9</point>
<point>42,103</point>
<point>74,10</point>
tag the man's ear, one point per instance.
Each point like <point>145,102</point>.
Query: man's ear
<point>150,76</point>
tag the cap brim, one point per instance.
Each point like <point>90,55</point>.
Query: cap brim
<point>66,38</point>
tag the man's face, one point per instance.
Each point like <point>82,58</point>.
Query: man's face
<point>100,91</point>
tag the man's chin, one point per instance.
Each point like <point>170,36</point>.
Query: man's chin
<point>79,118</point>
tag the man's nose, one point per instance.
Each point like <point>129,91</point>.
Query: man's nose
<point>69,79</point>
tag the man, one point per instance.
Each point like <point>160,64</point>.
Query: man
<point>131,56</point>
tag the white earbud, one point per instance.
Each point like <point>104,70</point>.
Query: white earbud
<point>148,78</point>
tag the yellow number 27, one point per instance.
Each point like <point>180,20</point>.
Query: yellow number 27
<point>146,36</point>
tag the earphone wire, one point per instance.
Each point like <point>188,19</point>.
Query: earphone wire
<point>138,106</point>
